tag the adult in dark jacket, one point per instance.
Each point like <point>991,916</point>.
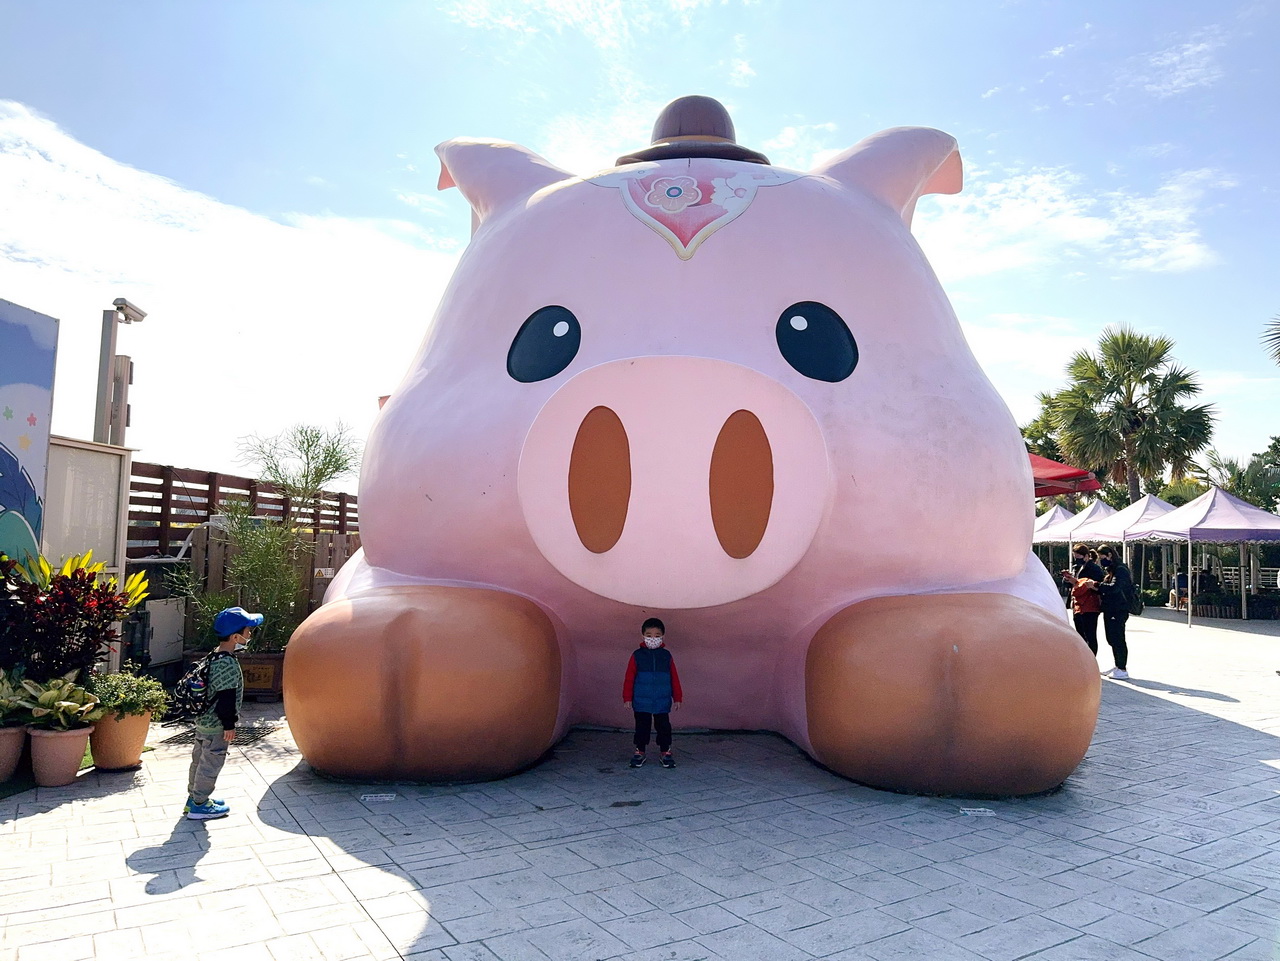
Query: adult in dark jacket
<point>1116,592</point>
<point>1086,602</point>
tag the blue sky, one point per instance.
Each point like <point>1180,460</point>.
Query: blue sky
<point>260,177</point>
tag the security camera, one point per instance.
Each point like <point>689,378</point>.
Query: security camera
<point>132,314</point>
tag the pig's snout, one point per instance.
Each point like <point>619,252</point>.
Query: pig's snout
<point>673,482</point>
<point>739,483</point>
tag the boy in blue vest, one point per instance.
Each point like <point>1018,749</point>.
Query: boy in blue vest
<point>652,690</point>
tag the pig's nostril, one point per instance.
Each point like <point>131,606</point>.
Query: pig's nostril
<point>741,484</point>
<point>600,480</point>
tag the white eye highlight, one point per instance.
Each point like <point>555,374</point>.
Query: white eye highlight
<point>560,329</point>
<point>799,323</point>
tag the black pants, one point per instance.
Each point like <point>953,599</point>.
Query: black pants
<point>661,722</point>
<point>1113,624</point>
<point>1087,627</point>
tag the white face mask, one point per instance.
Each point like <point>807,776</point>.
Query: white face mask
<point>653,643</point>
<point>241,645</point>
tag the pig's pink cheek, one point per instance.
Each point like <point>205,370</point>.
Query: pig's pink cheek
<point>600,480</point>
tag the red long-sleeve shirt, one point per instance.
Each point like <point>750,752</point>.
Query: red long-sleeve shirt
<point>629,682</point>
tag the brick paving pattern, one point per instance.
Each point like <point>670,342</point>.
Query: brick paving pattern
<point>1165,844</point>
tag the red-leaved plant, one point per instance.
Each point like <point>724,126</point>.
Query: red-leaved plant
<point>55,623</point>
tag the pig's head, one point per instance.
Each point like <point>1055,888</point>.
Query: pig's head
<point>681,382</point>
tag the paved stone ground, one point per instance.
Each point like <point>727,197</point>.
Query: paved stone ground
<point>1165,844</point>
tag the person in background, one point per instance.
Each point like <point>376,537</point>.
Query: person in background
<point>1086,603</point>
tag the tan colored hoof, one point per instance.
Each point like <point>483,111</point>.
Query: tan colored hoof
<point>951,694</point>
<point>423,683</point>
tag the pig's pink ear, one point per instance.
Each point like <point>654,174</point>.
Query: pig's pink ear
<point>899,165</point>
<point>493,174</point>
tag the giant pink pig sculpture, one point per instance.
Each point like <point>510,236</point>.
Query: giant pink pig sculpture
<point>733,395</point>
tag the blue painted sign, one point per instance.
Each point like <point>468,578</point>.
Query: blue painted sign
<point>28,348</point>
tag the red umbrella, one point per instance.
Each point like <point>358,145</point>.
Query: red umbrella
<point>1053,478</point>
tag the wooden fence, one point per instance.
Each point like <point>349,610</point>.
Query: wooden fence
<point>168,504</point>
<point>211,553</point>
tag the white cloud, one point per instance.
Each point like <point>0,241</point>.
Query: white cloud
<point>1034,344</point>
<point>1048,218</point>
<point>802,146</point>
<point>252,324</point>
<point>1159,233</point>
<point>607,24</point>
<point>740,73</point>
<point>1058,51</point>
<point>991,93</point>
<point>1179,68</point>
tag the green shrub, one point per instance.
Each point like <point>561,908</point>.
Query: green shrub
<point>129,694</point>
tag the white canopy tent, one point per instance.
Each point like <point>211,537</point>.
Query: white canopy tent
<point>1116,526</point>
<point>1063,532</point>
<point>1053,515</point>
<point>1215,517</point>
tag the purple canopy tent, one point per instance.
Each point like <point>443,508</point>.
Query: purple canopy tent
<point>1215,517</point>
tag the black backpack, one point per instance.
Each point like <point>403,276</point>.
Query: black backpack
<point>191,694</point>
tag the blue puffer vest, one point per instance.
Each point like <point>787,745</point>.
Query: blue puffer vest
<point>652,691</point>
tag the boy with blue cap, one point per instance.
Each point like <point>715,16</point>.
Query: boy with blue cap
<point>216,727</point>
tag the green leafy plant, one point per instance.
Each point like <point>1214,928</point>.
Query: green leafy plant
<point>128,693</point>
<point>1155,597</point>
<point>59,622</point>
<point>59,704</point>
<point>11,694</point>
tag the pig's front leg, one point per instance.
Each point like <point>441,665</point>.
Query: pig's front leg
<point>428,683</point>
<point>983,694</point>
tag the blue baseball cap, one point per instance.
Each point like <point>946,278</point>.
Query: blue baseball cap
<point>234,620</point>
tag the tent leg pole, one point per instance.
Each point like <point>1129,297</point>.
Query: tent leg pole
<point>1244,606</point>
<point>1189,582</point>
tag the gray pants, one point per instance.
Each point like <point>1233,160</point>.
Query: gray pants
<point>207,758</point>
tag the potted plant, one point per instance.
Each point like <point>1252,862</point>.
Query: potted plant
<point>130,702</point>
<point>13,734</point>
<point>54,626</point>
<point>60,716</point>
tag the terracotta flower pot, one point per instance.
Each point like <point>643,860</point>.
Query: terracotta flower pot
<point>11,740</point>
<point>117,745</point>
<point>56,755</point>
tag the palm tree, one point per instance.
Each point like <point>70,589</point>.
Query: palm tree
<point>1256,481</point>
<point>1123,408</point>
<point>1271,338</point>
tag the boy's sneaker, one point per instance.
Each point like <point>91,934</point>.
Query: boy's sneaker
<point>637,759</point>
<point>1119,674</point>
<point>668,760</point>
<point>207,811</point>
<point>217,801</point>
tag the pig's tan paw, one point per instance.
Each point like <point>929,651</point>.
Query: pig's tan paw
<point>951,694</point>
<point>424,683</point>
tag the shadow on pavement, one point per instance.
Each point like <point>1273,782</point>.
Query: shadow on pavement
<point>747,849</point>
<point>1151,685</point>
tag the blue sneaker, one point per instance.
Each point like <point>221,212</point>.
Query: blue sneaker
<point>205,812</point>
<point>213,800</point>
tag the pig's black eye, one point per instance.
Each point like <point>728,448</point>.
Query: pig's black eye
<point>816,342</point>
<point>544,345</point>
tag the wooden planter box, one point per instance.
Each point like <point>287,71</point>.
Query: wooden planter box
<point>1214,610</point>
<point>263,675</point>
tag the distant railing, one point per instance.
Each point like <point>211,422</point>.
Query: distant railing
<point>167,504</point>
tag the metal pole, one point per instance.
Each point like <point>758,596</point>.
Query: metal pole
<point>106,374</point>
<point>1244,607</point>
<point>1189,594</point>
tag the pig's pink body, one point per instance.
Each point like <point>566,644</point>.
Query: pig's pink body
<point>907,477</point>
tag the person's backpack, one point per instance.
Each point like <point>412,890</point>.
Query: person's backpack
<point>191,694</point>
<point>1136,606</point>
